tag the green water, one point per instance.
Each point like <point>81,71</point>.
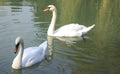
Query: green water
<point>97,54</point>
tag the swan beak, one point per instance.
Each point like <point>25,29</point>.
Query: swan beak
<point>15,50</point>
<point>46,9</point>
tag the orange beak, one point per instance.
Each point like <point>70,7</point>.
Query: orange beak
<point>46,9</point>
<point>15,50</point>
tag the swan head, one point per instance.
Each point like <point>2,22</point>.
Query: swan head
<point>17,43</point>
<point>50,8</point>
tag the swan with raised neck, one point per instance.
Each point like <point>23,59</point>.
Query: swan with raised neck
<point>70,30</point>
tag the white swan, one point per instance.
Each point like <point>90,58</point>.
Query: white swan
<point>29,56</point>
<point>70,30</point>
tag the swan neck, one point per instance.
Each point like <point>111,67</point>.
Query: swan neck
<point>52,24</point>
<point>20,53</point>
<point>17,62</point>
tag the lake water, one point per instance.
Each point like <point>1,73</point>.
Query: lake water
<point>98,53</point>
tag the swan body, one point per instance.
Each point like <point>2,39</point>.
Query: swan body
<point>70,30</point>
<point>29,56</point>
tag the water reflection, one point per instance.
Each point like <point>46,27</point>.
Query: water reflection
<point>16,71</point>
<point>71,40</point>
<point>50,45</point>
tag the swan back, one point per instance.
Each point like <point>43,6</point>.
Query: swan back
<point>72,30</point>
<point>33,55</point>
<point>44,45</point>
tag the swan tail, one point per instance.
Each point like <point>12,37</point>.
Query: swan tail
<point>89,28</point>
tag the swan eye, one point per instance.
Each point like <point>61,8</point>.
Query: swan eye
<point>49,7</point>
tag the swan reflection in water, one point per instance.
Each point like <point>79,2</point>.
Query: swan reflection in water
<point>16,71</point>
<point>50,46</point>
<point>72,40</point>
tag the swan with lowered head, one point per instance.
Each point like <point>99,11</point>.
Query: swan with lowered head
<point>29,56</point>
<point>70,30</point>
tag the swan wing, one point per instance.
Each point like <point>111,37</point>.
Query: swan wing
<point>33,55</point>
<point>69,30</point>
<point>71,27</point>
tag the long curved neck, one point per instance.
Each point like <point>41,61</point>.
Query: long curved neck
<point>17,63</point>
<point>20,53</point>
<point>52,24</point>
